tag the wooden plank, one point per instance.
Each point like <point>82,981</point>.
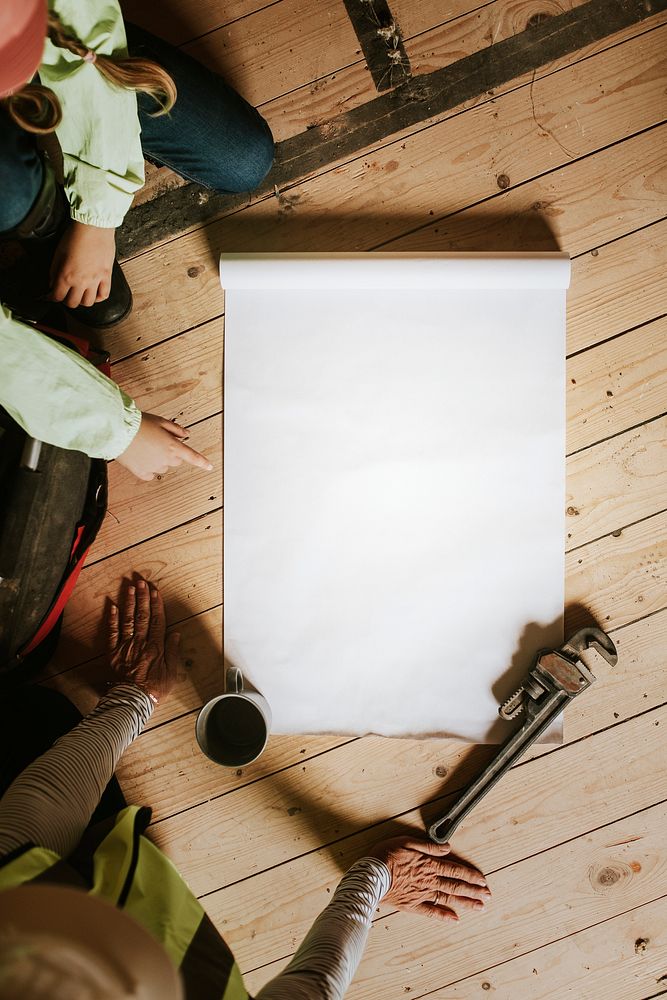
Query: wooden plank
<point>616,286</point>
<point>619,383</point>
<point>186,563</point>
<point>418,18</point>
<point>539,805</point>
<point>181,379</point>
<point>181,495</point>
<point>279,47</point>
<point>625,481</point>
<point>619,578</point>
<point>599,961</point>
<point>574,208</point>
<point>178,23</point>
<point>177,285</point>
<point>636,684</point>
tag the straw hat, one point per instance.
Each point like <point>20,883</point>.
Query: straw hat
<point>59,943</point>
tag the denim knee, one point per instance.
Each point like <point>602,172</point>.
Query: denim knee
<point>20,187</point>
<point>21,173</point>
<point>254,163</point>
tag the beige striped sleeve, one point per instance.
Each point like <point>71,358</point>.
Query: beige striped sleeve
<point>327,959</point>
<point>50,803</point>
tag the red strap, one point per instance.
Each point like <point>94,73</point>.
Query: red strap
<point>80,345</point>
<point>61,600</point>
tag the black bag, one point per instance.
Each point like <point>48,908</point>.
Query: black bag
<point>52,504</point>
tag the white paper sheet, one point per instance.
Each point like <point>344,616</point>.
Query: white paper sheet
<point>394,485</point>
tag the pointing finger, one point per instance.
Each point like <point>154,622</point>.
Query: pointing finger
<point>193,457</point>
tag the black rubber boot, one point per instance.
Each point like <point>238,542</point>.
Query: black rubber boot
<point>25,283</point>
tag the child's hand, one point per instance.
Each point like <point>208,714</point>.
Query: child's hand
<point>157,446</point>
<point>81,266</point>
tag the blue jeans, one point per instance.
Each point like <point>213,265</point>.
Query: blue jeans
<point>212,136</point>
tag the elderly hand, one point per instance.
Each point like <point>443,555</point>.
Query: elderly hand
<point>138,652</point>
<point>422,881</point>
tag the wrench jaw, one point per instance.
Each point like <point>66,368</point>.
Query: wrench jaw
<point>559,670</point>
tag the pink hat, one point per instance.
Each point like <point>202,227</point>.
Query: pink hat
<point>22,34</point>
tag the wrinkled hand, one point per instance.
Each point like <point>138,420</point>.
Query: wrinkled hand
<point>158,446</point>
<point>138,653</point>
<point>82,264</point>
<point>422,881</point>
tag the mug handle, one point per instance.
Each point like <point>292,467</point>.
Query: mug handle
<point>233,681</point>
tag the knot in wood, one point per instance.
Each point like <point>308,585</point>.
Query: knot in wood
<point>605,877</point>
<point>538,18</point>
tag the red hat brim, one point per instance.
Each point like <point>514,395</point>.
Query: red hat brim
<point>23,33</point>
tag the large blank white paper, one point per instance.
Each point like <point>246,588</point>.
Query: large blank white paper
<point>394,483</point>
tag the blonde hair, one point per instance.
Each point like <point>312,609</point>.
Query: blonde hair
<point>37,109</point>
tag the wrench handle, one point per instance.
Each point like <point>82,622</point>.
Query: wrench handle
<point>509,753</point>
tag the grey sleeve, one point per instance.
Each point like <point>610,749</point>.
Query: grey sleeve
<point>50,803</point>
<point>327,959</point>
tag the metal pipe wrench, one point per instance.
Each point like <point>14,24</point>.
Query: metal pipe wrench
<point>557,676</point>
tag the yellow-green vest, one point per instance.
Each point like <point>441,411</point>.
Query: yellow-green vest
<point>115,862</point>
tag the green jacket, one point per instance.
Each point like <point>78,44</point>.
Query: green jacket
<point>115,862</point>
<point>50,392</point>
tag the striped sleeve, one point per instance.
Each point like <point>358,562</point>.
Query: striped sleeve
<point>50,803</point>
<point>327,959</point>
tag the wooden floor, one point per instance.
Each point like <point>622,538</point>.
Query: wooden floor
<point>567,154</point>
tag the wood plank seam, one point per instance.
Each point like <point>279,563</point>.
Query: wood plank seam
<point>411,104</point>
<point>621,527</point>
<point>614,336</point>
<point>150,538</point>
<point>610,437</point>
<point>515,955</point>
<point>490,199</point>
<point>623,236</point>
<point>532,951</point>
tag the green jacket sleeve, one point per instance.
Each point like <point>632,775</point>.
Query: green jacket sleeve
<point>59,397</point>
<point>99,134</point>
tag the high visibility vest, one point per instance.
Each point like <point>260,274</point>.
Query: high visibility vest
<point>115,862</point>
